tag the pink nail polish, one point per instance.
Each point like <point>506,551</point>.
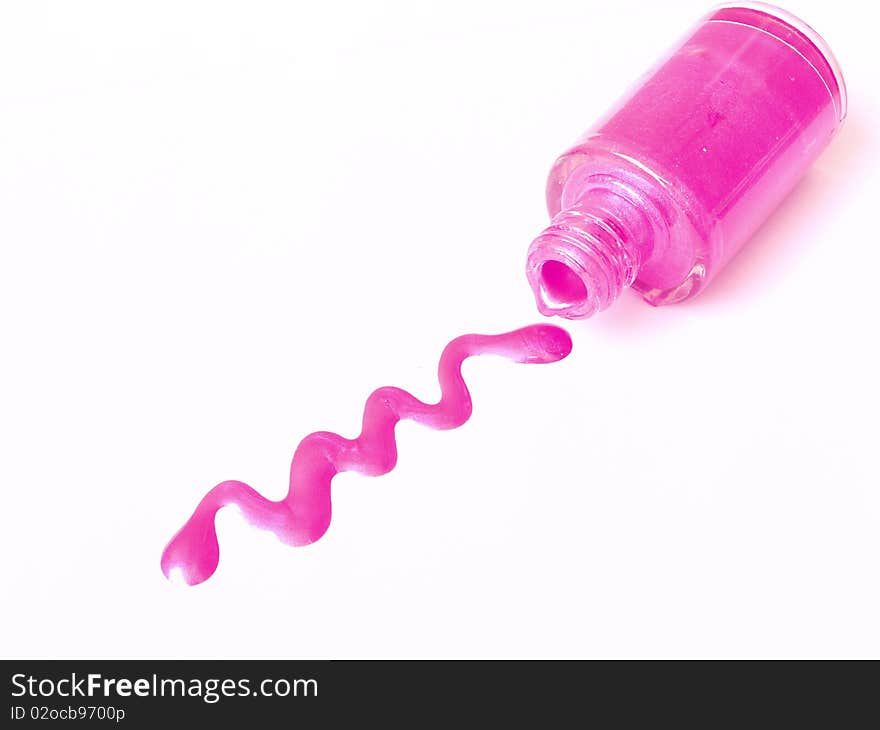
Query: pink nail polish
<point>664,190</point>
<point>304,514</point>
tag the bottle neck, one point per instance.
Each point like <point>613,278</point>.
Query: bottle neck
<point>588,255</point>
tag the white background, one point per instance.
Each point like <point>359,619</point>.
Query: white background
<point>223,225</point>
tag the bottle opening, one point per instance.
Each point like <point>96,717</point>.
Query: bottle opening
<point>561,288</point>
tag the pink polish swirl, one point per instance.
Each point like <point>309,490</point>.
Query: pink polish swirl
<point>303,516</point>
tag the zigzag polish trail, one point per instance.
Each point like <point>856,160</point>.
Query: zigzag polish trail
<point>303,516</point>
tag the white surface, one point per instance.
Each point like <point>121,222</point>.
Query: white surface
<point>222,227</point>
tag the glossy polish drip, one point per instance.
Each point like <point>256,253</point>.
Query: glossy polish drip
<point>303,516</point>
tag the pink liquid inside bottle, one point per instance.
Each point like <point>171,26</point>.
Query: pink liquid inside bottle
<point>667,187</point>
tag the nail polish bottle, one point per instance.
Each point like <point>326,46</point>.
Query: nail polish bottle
<point>662,192</point>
